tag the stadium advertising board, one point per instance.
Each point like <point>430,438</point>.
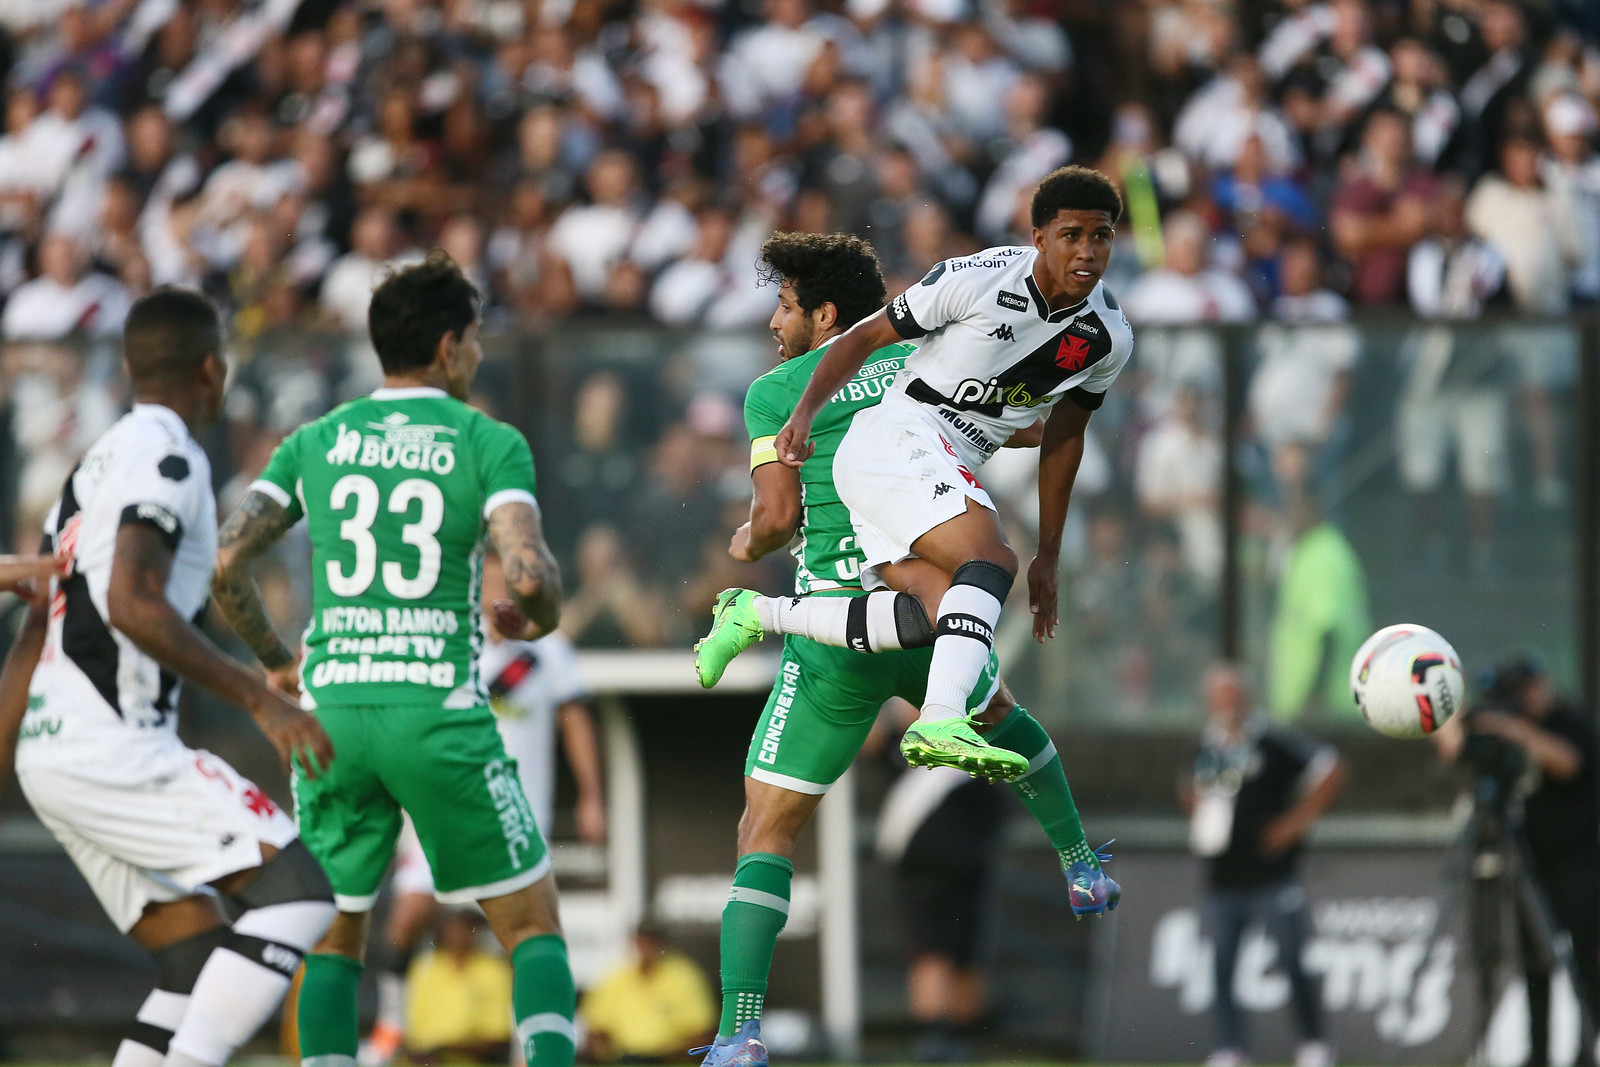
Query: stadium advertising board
<point>1391,996</point>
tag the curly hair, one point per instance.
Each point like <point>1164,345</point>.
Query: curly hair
<point>415,306</point>
<point>1075,189</point>
<point>836,268</point>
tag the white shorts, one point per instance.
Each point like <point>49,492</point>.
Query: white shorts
<point>194,819</point>
<point>900,475</point>
<point>411,871</point>
<point>1474,425</point>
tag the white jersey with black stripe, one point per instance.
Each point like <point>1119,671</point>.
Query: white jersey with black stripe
<point>992,357</point>
<point>95,695</point>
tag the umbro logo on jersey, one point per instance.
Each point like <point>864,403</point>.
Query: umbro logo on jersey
<point>1013,301</point>
<point>942,488</point>
<point>1003,332</point>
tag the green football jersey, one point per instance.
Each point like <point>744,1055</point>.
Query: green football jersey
<point>826,547</point>
<point>396,489</point>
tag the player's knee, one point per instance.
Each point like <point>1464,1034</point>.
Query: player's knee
<point>178,964</point>
<point>992,577</point>
<point>912,625</point>
<point>292,876</point>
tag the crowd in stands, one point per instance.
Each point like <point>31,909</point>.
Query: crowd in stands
<point>628,156</point>
<point>599,163</point>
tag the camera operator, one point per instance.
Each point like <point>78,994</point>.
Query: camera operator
<point>1523,726</point>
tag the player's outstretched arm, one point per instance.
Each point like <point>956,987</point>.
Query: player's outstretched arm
<point>20,662</point>
<point>136,603</point>
<point>838,365</point>
<point>532,575</point>
<point>254,527</point>
<point>1059,455</point>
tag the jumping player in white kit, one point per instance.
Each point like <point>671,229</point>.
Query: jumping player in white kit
<point>1004,336</point>
<point>90,689</point>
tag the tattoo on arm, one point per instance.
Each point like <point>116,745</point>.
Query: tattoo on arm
<point>532,575</point>
<point>255,526</point>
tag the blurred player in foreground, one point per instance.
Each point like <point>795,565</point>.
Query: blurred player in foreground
<point>160,831</point>
<point>827,698</point>
<point>399,490</point>
<point>536,692</point>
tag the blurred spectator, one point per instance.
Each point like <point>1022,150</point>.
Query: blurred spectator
<point>649,1008</point>
<point>1033,149</point>
<point>1320,618</point>
<point>1571,172</point>
<point>940,831</point>
<point>1514,212</point>
<point>609,606</point>
<point>347,288</point>
<point>1380,210</point>
<point>65,299</point>
<point>1298,389</point>
<point>458,1003</point>
<point>1214,125</point>
<point>1420,91</point>
<point>1457,380</point>
<point>1179,477</point>
<point>1187,290</point>
<point>1251,188</point>
<point>1255,793</point>
<point>592,240</point>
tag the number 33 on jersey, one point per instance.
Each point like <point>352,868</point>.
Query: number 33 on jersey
<point>396,488</point>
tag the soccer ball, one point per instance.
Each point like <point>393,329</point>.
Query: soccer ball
<point>1407,681</point>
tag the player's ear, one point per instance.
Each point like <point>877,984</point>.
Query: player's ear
<point>444,352</point>
<point>826,315</point>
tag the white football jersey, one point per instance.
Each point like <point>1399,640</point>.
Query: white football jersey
<point>528,682</point>
<point>992,357</point>
<point>95,695</point>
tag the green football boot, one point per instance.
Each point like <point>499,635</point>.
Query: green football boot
<point>734,628</point>
<point>954,743</point>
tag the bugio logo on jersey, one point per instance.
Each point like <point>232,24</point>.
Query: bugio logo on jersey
<point>396,444</point>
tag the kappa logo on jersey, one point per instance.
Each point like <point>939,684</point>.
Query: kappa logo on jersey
<point>412,448</point>
<point>1013,301</point>
<point>1004,332</point>
<point>1072,353</point>
<point>942,488</point>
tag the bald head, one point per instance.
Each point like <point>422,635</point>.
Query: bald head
<point>168,335</point>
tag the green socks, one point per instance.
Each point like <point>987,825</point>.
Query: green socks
<point>755,913</point>
<point>329,1029</point>
<point>1044,790</point>
<point>544,1000</point>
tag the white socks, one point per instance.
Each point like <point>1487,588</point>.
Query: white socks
<point>965,634</point>
<point>876,622</point>
<point>245,979</point>
<point>159,1015</point>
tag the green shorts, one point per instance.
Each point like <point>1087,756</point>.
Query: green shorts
<point>449,770</point>
<point>823,705</point>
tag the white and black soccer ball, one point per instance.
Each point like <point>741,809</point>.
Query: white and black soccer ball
<point>1407,681</point>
